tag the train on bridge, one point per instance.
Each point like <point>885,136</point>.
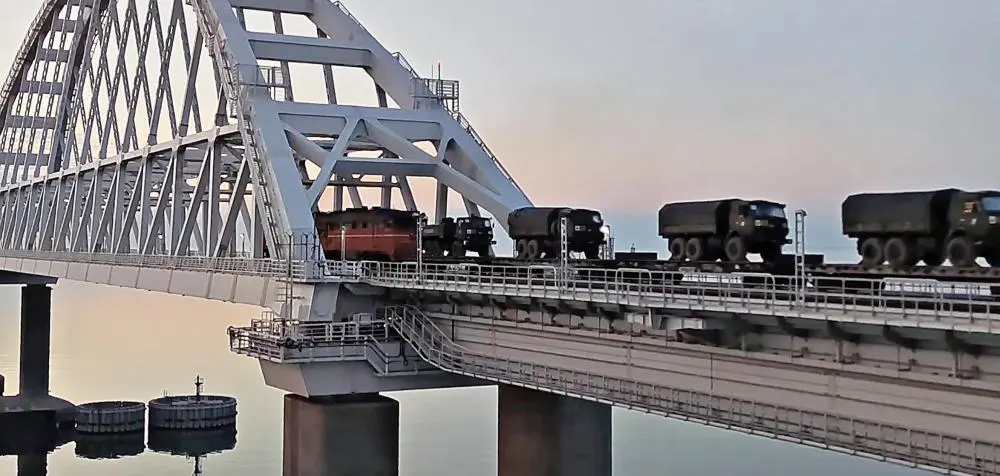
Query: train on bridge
<point>894,233</point>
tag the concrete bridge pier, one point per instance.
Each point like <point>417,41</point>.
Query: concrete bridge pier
<point>36,341</point>
<point>341,435</point>
<point>33,403</point>
<point>544,434</point>
<point>33,464</point>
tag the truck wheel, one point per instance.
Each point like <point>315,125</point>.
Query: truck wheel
<point>694,249</point>
<point>531,250</point>
<point>736,249</point>
<point>520,249</point>
<point>871,253</point>
<point>677,249</point>
<point>592,252</point>
<point>961,252</point>
<point>898,253</point>
<point>457,249</point>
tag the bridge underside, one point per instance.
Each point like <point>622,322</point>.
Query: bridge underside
<point>238,281</point>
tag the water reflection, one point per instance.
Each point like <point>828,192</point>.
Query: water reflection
<point>192,443</point>
<point>33,436</point>
<point>32,441</point>
<point>115,446</point>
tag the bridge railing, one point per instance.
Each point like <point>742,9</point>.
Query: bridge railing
<point>240,265</point>
<point>827,430</point>
<point>871,299</point>
<point>291,341</point>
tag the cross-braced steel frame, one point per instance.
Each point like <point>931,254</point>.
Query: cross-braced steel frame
<point>169,127</point>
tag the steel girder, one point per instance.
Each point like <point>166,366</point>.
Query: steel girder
<point>120,136</point>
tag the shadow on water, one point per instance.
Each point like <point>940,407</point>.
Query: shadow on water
<point>32,441</point>
<point>36,438</point>
<point>321,437</point>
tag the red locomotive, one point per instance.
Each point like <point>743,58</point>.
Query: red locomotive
<point>371,234</point>
<point>385,234</point>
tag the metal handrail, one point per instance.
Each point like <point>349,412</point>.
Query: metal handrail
<point>292,341</point>
<point>838,299</point>
<point>827,430</point>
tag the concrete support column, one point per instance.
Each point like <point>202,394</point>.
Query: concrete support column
<point>36,323</point>
<point>341,436</point>
<point>33,464</point>
<point>544,434</point>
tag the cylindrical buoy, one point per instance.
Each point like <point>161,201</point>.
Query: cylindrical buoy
<point>188,412</point>
<point>111,417</point>
<point>192,412</point>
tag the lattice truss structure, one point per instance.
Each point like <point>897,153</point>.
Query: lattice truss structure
<point>170,127</point>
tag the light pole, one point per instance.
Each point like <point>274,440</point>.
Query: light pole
<point>421,222</point>
<point>563,249</point>
<point>800,255</point>
<point>343,243</point>
<point>609,247</point>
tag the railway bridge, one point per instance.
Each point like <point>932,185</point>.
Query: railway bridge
<point>161,145</point>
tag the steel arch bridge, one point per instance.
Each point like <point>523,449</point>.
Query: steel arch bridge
<point>170,127</point>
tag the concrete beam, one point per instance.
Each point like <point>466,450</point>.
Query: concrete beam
<point>14,277</point>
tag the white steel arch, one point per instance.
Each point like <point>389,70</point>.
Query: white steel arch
<point>121,135</point>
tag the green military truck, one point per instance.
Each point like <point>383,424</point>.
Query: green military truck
<point>904,228</point>
<point>724,229</point>
<point>455,237</point>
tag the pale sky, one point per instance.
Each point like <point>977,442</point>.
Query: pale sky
<point>622,106</point>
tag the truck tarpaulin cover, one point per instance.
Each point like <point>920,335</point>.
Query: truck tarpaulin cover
<point>693,217</point>
<point>914,212</point>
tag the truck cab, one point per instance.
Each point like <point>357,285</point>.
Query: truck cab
<point>473,234</point>
<point>764,220</point>
<point>974,221</point>
<point>756,226</point>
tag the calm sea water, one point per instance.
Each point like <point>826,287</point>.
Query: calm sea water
<point>110,343</point>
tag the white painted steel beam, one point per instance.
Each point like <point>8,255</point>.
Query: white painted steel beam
<point>121,135</point>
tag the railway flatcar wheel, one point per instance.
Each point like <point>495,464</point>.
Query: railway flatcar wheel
<point>770,253</point>
<point>933,258</point>
<point>993,259</point>
<point>871,252</point>
<point>531,250</point>
<point>736,249</point>
<point>961,251</point>
<point>677,249</point>
<point>520,249</point>
<point>694,249</point>
<point>898,253</point>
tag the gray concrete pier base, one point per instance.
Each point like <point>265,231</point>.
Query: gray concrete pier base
<point>544,434</point>
<point>341,435</point>
<point>33,383</point>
